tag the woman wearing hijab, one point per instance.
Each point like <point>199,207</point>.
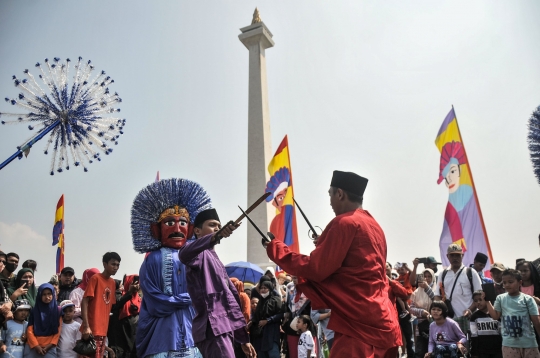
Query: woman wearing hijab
<point>245,303</point>
<point>44,325</point>
<point>421,302</point>
<point>245,306</point>
<point>25,288</point>
<point>77,294</point>
<point>264,326</point>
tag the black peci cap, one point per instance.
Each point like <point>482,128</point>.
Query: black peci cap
<point>480,257</point>
<point>348,181</point>
<point>208,214</point>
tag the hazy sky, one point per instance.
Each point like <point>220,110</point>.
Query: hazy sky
<point>357,86</point>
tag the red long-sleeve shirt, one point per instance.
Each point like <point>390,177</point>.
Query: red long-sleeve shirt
<point>347,273</point>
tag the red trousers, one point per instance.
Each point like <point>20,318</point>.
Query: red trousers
<point>350,347</point>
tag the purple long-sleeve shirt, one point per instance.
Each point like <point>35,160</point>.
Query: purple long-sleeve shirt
<point>446,334</point>
<point>213,295</point>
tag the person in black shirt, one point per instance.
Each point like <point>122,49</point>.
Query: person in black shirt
<point>486,340</point>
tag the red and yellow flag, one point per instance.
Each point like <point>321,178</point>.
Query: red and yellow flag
<point>283,225</point>
<point>58,234</point>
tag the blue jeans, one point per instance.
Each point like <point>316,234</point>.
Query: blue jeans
<point>439,350</point>
<point>272,353</point>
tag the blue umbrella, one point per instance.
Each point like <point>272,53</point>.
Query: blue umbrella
<point>244,271</point>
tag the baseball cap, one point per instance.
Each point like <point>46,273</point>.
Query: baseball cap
<point>454,248</point>
<point>65,304</point>
<point>431,260</point>
<point>22,305</point>
<point>67,269</point>
<point>497,266</point>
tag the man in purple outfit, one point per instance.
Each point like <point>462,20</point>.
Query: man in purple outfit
<point>219,322</point>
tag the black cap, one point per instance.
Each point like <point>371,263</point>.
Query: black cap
<point>348,181</point>
<point>480,257</point>
<point>208,214</point>
<point>67,269</point>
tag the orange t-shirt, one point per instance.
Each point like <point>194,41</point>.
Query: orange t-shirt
<point>42,341</point>
<point>102,293</point>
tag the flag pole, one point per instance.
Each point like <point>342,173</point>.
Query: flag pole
<point>27,146</point>
<point>292,194</point>
<point>474,186</point>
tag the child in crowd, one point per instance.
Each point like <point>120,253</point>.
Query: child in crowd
<point>404,279</point>
<point>306,345</point>
<point>254,303</point>
<point>486,340</point>
<point>445,336</point>
<point>530,281</point>
<point>70,332</point>
<point>44,325</point>
<point>14,336</point>
<point>518,313</point>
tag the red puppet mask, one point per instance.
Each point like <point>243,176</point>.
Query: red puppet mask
<point>173,228</point>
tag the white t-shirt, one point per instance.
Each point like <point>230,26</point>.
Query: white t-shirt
<point>68,337</point>
<point>462,296</point>
<point>304,343</point>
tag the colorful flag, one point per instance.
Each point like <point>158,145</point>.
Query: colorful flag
<point>283,225</point>
<point>157,177</point>
<point>58,234</point>
<point>463,222</point>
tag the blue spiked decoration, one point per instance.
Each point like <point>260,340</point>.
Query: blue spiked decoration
<point>154,199</point>
<point>80,117</point>
<point>534,142</point>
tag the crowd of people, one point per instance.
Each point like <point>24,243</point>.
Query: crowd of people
<point>48,319</point>
<point>488,316</point>
<point>460,311</point>
<point>343,300</point>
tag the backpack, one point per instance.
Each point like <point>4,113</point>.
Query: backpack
<point>468,271</point>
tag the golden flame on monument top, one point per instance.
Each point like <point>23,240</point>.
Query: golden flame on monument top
<point>256,17</point>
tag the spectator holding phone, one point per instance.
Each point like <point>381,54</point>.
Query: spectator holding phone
<point>429,263</point>
<point>24,288</point>
<point>421,299</point>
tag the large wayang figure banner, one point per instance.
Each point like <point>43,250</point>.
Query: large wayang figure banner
<point>463,222</point>
<point>283,225</point>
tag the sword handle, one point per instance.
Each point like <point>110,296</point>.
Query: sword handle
<point>217,236</point>
<point>268,239</point>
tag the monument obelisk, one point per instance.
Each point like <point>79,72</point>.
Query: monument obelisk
<point>257,38</point>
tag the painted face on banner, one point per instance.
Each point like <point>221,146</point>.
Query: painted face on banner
<point>174,231</point>
<point>279,198</point>
<point>452,178</point>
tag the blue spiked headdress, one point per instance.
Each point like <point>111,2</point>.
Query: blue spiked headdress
<point>534,142</point>
<point>154,199</point>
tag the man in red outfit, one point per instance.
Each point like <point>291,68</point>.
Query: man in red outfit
<point>346,273</point>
